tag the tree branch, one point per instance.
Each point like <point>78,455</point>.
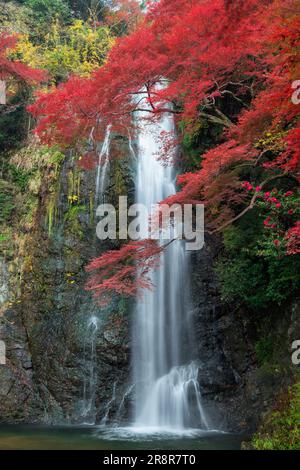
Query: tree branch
<point>216,120</point>
<point>228,92</point>
<point>248,208</point>
<point>10,109</point>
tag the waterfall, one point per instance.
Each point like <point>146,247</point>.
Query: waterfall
<point>175,400</point>
<point>126,395</point>
<point>88,410</point>
<point>130,144</point>
<point>109,405</point>
<point>102,167</point>
<point>89,386</point>
<point>167,391</point>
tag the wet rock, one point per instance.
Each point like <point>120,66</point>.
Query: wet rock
<point>19,398</point>
<point>237,390</point>
<point>49,345</point>
<point>49,359</point>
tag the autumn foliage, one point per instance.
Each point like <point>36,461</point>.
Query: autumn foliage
<point>231,64</point>
<point>115,271</point>
<point>165,50</point>
<point>12,68</point>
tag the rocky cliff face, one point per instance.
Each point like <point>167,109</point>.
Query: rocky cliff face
<point>20,400</point>
<point>54,364</point>
<point>238,385</point>
<point>48,341</point>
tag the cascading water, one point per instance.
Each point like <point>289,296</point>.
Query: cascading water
<point>89,386</point>
<point>88,410</point>
<point>167,393</point>
<point>175,401</point>
<point>102,167</point>
<point>132,152</point>
<point>109,405</point>
<point>167,390</point>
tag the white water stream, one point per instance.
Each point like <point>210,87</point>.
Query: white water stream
<point>88,411</point>
<point>102,167</point>
<point>167,391</point>
<point>89,386</point>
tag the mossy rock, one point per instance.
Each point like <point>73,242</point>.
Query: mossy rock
<point>281,428</point>
<point>6,201</point>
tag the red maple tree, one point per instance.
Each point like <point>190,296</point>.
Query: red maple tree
<point>203,53</point>
<point>116,271</point>
<point>12,68</point>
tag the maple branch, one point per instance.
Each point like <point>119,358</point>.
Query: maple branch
<point>224,117</point>
<point>262,154</point>
<point>149,97</point>
<point>241,84</point>
<point>228,92</point>
<point>224,121</point>
<point>251,164</point>
<point>161,110</point>
<point>88,115</point>
<point>251,205</point>
<point>11,109</point>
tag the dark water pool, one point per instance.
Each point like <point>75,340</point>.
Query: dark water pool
<point>96,438</point>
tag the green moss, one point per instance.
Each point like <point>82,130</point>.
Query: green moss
<point>264,349</point>
<point>51,214</point>
<point>30,205</point>
<point>74,181</point>
<point>6,245</point>
<point>281,429</point>
<point>196,140</point>
<point>56,157</point>
<point>7,204</point>
<point>92,208</point>
<point>74,212</point>
<point>72,222</point>
<point>18,176</point>
<point>119,179</point>
<point>3,238</point>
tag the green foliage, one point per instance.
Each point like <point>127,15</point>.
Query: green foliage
<point>44,11</point>
<point>242,281</point>
<point>284,278</point>
<point>281,429</point>
<point>242,237</point>
<point>73,213</point>
<point>35,17</point>
<point>65,49</point>
<point>13,124</point>
<point>196,141</point>
<point>264,349</point>
<point>56,157</point>
<point>251,276</point>
<point>280,210</point>
<point>14,18</point>
<point>257,282</point>
<point>3,238</point>
<point>72,221</point>
<point>84,8</point>
<point>18,176</point>
<point>6,202</point>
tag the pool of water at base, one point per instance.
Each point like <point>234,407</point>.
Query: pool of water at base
<point>24,437</point>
